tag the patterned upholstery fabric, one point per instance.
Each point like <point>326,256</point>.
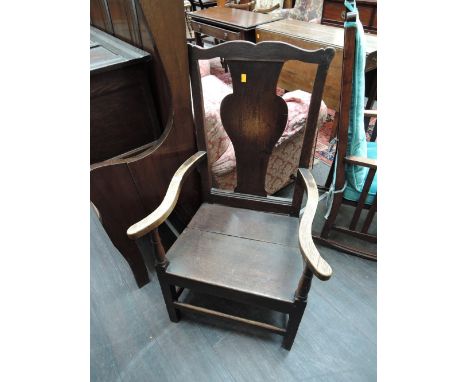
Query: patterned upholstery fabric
<point>284,160</point>
<point>305,10</point>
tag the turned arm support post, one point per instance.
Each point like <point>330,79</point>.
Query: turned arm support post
<point>304,284</point>
<point>161,260</point>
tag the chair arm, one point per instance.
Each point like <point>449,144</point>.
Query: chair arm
<point>309,252</point>
<point>370,113</point>
<point>267,10</point>
<point>160,214</point>
<point>247,7</point>
<point>361,161</point>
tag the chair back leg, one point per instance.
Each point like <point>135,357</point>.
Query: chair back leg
<point>336,203</point>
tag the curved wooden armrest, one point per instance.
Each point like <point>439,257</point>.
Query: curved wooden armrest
<point>309,252</point>
<point>160,214</point>
<point>267,10</point>
<point>370,113</point>
<point>361,161</point>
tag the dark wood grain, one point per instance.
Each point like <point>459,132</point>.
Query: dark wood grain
<point>233,17</point>
<point>334,13</point>
<point>236,263</point>
<point>126,189</point>
<point>125,20</point>
<point>248,224</point>
<point>253,127</point>
<point>224,316</point>
<point>100,15</point>
<point>123,116</point>
<point>227,24</point>
<point>253,116</point>
<point>299,75</point>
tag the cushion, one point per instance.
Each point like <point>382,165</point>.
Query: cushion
<point>217,140</point>
<point>306,10</point>
<point>204,67</point>
<point>351,193</point>
<point>357,144</point>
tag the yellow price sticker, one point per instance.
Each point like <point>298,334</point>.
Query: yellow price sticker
<point>243,77</point>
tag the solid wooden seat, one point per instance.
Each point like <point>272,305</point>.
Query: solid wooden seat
<point>260,249</point>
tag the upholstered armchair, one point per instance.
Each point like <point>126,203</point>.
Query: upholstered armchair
<point>305,10</point>
<point>284,160</point>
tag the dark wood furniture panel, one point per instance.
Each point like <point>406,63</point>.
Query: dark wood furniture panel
<point>334,13</point>
<point>236,262</point>
<point>122,111</point>
<point>228,23</point>
<point>216,32</point>
<point>126,189</point>
<point>233,221</point>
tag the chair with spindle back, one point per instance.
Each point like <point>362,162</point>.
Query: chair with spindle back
<point>342,191</point>
<point>244,245</point>
<point>203,4</point>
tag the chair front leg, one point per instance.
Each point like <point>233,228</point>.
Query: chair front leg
<point>168,291</point>
<point>300,304</point>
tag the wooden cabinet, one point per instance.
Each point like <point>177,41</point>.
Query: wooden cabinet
<point>127,189</point>
<point>123,113</point>
<point>334,13</point>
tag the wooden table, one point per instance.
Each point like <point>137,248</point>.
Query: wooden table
<point>298,75</point>
<point>123,113</point>
<point>228,24</point>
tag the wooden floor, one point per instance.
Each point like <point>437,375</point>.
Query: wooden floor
<point>132,338</point>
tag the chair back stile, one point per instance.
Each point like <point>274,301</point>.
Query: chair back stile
<point>255,117</point>
<point>345,102</point>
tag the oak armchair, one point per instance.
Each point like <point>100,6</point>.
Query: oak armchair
<point>244,245</point>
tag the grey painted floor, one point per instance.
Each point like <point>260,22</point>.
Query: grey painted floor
<point>132,338</point>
